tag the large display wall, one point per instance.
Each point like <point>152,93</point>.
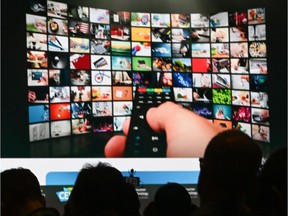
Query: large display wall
<point>21,147</point>
<point>83,63</point>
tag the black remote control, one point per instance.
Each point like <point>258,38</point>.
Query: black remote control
<point>142,141</point>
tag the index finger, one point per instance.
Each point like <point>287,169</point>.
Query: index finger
<point>187,133</point>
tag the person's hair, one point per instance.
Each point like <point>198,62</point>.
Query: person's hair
<point>173,199</point>
<point>98,190</point>
<point>150,209</point>
<point>133,202</point>
<point>231,162</point>
<point>272,184</point>
<point>274,170</point>
<point>18,186</point>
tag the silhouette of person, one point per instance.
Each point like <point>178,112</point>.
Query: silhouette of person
<point>100,190</point>
<point>133,201</point>
<point>271,196</point>
<point>150,209</point>
<point>173,199</point>
<point>228,174</point>
<point>21,194</point>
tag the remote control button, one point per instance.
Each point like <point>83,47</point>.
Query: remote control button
<point>155,149</point>
<point>142,141</point>
<point>154,138</point>
<point>135,128</point>
<point>141,89</point>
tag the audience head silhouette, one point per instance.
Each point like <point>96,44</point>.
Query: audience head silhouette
<point>133,201</point>
<point>173,199</point>
<point>271,196</point>
<point>150,209</point>
<point>100,190</point>
<point>21,194</point>
<point>228,173</point>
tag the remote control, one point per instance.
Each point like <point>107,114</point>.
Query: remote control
<point>142,141</point>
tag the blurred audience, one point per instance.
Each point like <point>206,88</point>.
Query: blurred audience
<point>230,183</point>
<point>133,201</point>
<point>271,197</point>
<point>228,174</point>
<point>170,199</point>
<point>21,194</point>
<point>150,209</point>
<point>101,190</point>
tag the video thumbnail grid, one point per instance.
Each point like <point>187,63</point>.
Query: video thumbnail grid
<point>83,65</point>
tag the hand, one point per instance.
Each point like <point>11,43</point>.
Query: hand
<point>178,37</point>
<point>124,63</point>
<point>40,25</point>
<point>44,79</point>
<point>220,36</point>
<point>220,114</point>
<point>31,96</point>
<point>263,70</point>
<point>187,133</point>
<point>195,35</point>
<point>264,114</point>
<point>196,96</point>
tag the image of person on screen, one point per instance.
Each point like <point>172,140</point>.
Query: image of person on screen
<point>54,78</point>
<point>124,63</point>
<point>178,35</point>
<point>262,133</point>
<point>167,67</point>
<point>263,70</point>
<point>38,96</point>
<point>36,41</point>
<point>220,113</point>
<point>189,140</point>
<point>40,25</point>
<point>37,59</point>
<point>84,76</point>
<point>239,50</point>
<point>201,94</point>
<point>165,79</point>
<point>157,64</point>
<point>184,48</point>
<point>122,78</point>
<point>43,80</point>
<point>54,42</point>
<point>31,96</point>
<point>240,63</point>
